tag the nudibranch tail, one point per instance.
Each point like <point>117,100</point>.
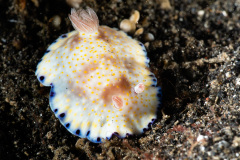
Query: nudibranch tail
<point>85,21</point>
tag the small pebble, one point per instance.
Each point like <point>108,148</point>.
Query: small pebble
<point>228,75</point>
<point>202,148</point>
<point>127,26</point>
<point>165,4</point>
<point>56,21</point>
<point>201,137</point>
<point>236,141</point>
<point>224,13</point>
<point>135,17</point>
<point>201,13</point>
<point>149,37</point>
<point>238,81</point>
<point>222,144</point>
<point>49,135</point>
<point>139,32</point>
<point>74,3</point>
<point>35,2</point>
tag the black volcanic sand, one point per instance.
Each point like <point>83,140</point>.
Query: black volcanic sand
<point>195,57</point>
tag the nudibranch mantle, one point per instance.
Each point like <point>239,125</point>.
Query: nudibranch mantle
<point>100,81</point>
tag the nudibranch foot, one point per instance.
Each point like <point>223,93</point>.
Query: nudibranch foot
<point>100,83</point>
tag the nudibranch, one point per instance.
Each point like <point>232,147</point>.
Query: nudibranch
<point>100,81</point>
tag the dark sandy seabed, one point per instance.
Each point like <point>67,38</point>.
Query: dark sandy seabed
<point>195,57</point>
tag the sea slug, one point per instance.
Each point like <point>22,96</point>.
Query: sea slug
<point>100,81</point>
